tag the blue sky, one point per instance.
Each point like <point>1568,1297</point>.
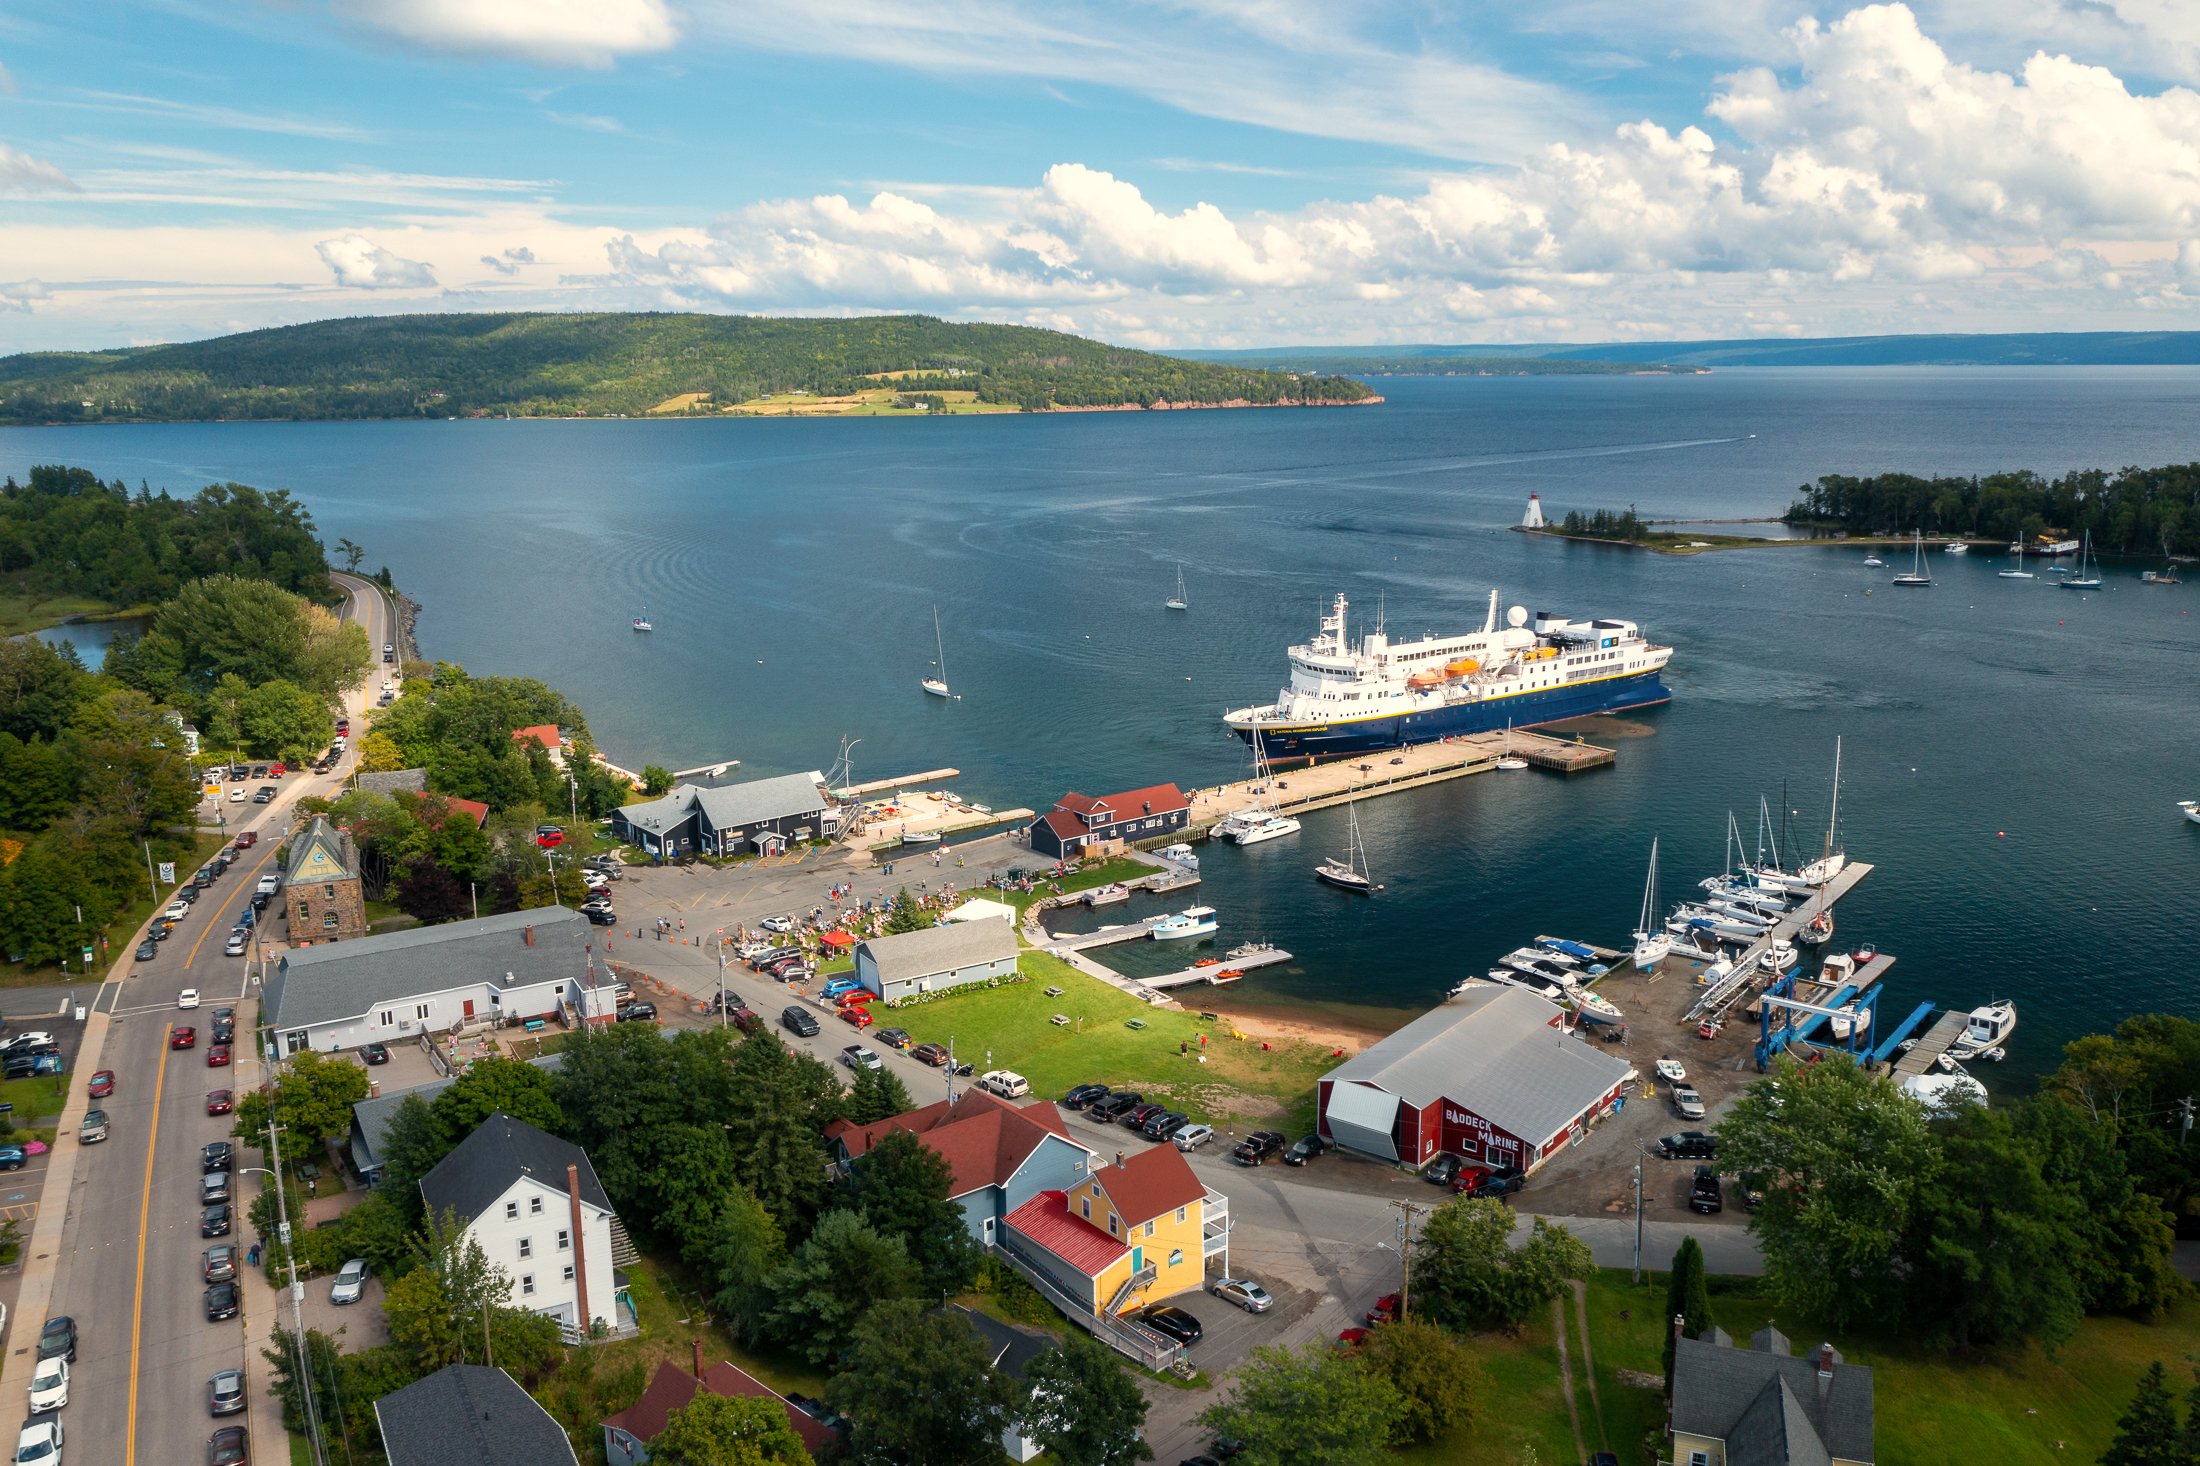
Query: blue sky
<point>1185,172</point>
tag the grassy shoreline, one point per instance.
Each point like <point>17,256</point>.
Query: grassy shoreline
<point>1677,544</point>
<point>22,612</point>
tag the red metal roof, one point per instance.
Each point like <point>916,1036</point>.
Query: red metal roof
<point>545,734</point>
<point>1047,1220</point>
<point>672,1387</point>
<point>1130,804</point>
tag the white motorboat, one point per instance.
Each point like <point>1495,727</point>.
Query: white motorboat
<point>1108,895</point>
<point>1989,1027</point>
<point>1179,855</point>
<point>1672,1071</point>
<point>2191,807</point>
<point>1178,602</point>
<point>1850,1016</point>
<point>1541,953</point>
<point>1958,548</point>
<point>1542,987</point>
<point>1651,945</point>
<point>641,622</point>
<point>1348,872</point>
<point>1192,921</point>
<point>937,684</point>
<point>1917,574</point>
<point>920,837</point>
<point>1538,967</point>
<point>1777,958</point>
<point>1251,826</point>
<point>1873,562</point>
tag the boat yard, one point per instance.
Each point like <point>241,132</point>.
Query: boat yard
<point>1296,790</point>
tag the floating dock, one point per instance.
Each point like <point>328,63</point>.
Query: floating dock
<point>1747,977</point>
<point>1213,972</point>
<point>1296,790</point>
<point>1937,1041</point>
<point>857,791</point>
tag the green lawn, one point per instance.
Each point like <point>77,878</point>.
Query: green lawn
<point>1014,1024</point>
<point>1932,1407</point>
<point>36,1099</point>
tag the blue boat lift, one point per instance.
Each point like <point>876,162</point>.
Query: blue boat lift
<point>1800,1020</point>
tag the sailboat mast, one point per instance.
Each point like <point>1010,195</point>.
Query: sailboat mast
<point>1833,819</point>
<point>939,644</point>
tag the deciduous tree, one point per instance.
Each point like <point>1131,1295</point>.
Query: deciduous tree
<point>1468,1274</point>
<point>918,1388</point>
<point>497,1085</point>
<point>713,1430</point>
<point>1434,1374</point>
<point>1082,1408</point>
<point>314,1096</point>
<point>1307,1407</point>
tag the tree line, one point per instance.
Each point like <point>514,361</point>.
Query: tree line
<point>545,364</point>
<point>1605,524</point>
<point>2139,511</point>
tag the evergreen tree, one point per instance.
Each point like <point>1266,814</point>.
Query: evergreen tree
<point>1687,1297</point>
<point>2147,1432</point>
<point>876,1095</point>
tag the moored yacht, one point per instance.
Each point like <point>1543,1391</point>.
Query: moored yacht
<point>1252,825</point>
<point>1989,1027</point>
<point>1192,921</point>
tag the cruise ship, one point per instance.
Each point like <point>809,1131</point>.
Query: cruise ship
<point>1347,698</point>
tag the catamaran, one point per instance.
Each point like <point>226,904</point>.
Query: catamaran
<point>1349,872</point>
<point>1256,822</point>
<point>937,685</point>
<point>1178,602</point>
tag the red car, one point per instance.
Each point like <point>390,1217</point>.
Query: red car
<point>248,839</point>
<point>1352,1338</point>
<point>184,1038</point>
<point>276,771</point>
<point>217,1056</point>
<point>1384,1311</point>
<point>219,1102</point>
<point>856,999</point>
<point>549,837</point>
<point>343,727</point>
<point>854,1013</point>
<point>102,1085</point>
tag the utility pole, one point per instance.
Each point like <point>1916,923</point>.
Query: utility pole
<point>1409,1214</point>
<point>297,1289</point>
<point>2184,1122</point>
<point>1636,1275</point>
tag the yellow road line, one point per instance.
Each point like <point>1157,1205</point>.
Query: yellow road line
<point>212,924</point>
<point>145,1222</point>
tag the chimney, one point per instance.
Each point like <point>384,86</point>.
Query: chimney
<point>1825,1361</point>
<point>528,932</point>
<point>580,1247</point>
<point>1119,1160</point>
<point>1680,1326</point>
<point>696,1345</point>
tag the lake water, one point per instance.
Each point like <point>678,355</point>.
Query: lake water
<point>2013,751</point>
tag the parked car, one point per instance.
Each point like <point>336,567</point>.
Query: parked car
<point>248,839</point>
<point>1304,1149</point>
<point>1386,1310</point>
<point>1689,1145</point>
<point>933,1054</point>
<point>94,1128</point>
<point>221,1263</point>
<point>1006,1083</point>
<point>276,771</point>
<point>225,1393</point>
<point>40,1442</point>
<point>49,1387</point>
<point>217,1155</point>
<point>1257,1147</point>
<point>1244,1292</point>
<point>1443,1170</point>
<point>267,885</point>
<point>220,1102</point>
<point>1192,1137</point>
<point>57,1340</point>
<point>30,1065</point>
<point>856,1015</point>
<point>1136,1117</point>
<point>265,794</point>
<point>1687,1103</point>
<point>239,940</point>
<point>1164,1125</point>
<point>148,949</point>
<point>894,1038</point>
<point>1114,1107</point>
<point>840,985</point>
<point>102,1085</point>
<point>861,1056</point>
<point>1706,1194</point>
<point>638,1013</point>
<point>215,1221</point>
<point>1167,1319</point>
<point>798,1022</point>
<point>351,1282</point>
<point>214,1188</point>
<point>601,916</point>
<point>1083,1095</point>
<point>549,837</point>
<point>375,1053</point>
<point>221,1302</point>
<point>188,998</point>
<point>227,1446</point>
<point>177,909</point>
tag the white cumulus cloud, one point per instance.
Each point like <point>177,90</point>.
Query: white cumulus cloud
<point>21,295</point>
<point>509,262</point>
<point>22,173</point>
<point>358,262</point>
<point>592,33</point>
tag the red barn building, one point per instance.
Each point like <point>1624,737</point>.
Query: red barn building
<point>1491,1077</point>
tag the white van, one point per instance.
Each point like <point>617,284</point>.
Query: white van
<point>1006,1083</point>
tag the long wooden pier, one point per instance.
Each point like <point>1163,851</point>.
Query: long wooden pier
<point>1746,976</point>
<point>1294,791</point>
<point>904,782</point>
<point>1937,1041</point>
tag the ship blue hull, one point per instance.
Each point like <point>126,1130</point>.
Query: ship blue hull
<point>1527,710</point>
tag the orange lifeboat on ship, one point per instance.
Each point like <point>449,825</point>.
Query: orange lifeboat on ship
<point>1463,667</point>
<point>1421,680</point>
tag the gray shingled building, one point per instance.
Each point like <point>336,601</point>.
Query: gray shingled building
<point>1763,1406</point>
<point>1491,1077</point>
<point>469,1415</point>
<point>936,958</point>
<point>760,815</point>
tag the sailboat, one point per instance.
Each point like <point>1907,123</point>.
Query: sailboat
<point>1178,602</point>
<point>937,686</point>
<point>2018,572</point>
<point>1349,873</point>
<point>1829,865</point>
<point>641,622</point>
<point>2081,580</point>
<point>1651,944</point>
<point>1916,574</point>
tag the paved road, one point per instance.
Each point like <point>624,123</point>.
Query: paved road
<point>127,1263</point>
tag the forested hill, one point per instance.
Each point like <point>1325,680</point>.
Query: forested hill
<point>461,365</point>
